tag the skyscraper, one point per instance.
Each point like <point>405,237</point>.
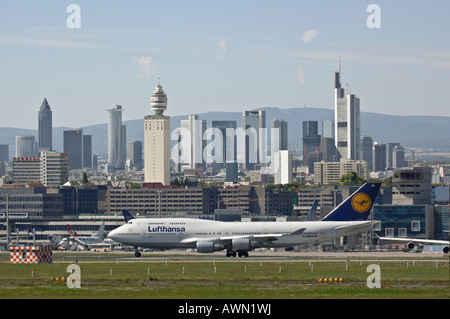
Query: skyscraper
<point>135,154</point>
<point>73,145</point>
<point>311,144</point>
<point>196,128</point>
<point>45,126</point>
<point>117,150</point>
<point>229,152</point>
<point>252,122</point>
<point>347,122</point>
<point>157,140</point>
<point>282,127</point>
<point>366,153</point>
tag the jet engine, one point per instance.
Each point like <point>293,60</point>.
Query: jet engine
<point>411,245</point>
<point>208,247</point>
<point>242,244</point>
<point>445,250</point>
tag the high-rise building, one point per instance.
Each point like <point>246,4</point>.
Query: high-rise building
<point>157,140</point>
<point>328,129</point>
<point>196,129</point>
<point>347,122</point>
<point>229,151</point>
<point>311,144</point>
<point>87,151</point>
<point>25,146</point>
<point>73,146</point>
<point>135,151</point>
<point>282,167</point>
<point>4,153</point>
<point>379,156</point>
<point>45,126</point>
<point>282,127</point>
<point>117,151</point>
<point>390,153</point>
<point>54,168</point>
<point>398,157</point>
<point>252,122</point>
<point>366,153</point>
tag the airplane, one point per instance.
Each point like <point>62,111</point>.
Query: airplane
<point>85,241</point>
<point>238,238</point>
<point>412,242</point>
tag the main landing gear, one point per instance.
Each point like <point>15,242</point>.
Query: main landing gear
<point>239,253</point>
<point>137,254</point>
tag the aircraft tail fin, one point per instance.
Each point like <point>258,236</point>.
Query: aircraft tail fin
<point>101,230</point>
<point>127,215</point>
<point>71,231</point>
<point>357,206</point>
<point>312,212</point>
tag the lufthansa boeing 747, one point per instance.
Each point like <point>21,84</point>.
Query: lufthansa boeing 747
<point>238,238</point>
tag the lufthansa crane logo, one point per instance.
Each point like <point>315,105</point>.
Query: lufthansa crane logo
<point>361,202</point>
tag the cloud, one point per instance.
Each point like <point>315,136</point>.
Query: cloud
<point>301,77</point>
<point>145,63</point>
<point>309,35</point>
<point>223,45</point>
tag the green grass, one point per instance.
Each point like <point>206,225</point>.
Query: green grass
<point>224,279</point>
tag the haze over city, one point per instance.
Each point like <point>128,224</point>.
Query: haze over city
<point>213,56</point>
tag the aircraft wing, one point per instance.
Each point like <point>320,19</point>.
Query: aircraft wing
<point>414,240</point>
<point>355,227</point>
<point>258,238</point>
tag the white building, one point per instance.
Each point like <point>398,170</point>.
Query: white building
<point>157,140</point>
<point>282,166</point>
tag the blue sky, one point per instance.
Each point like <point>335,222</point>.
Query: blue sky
<point>219,56</point>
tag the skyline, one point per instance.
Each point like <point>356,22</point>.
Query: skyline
<point>212,56</point>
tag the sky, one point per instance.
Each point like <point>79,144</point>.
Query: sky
<point>219,56</point>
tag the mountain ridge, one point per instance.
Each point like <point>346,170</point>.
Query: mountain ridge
<point>411,131</point>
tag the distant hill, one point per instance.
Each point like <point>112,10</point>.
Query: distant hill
<point>410,131</point>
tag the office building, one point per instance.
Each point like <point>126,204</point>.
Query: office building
<point>229,150</point>
<point>366,153</point>
<point>412,186</point>
<point>379,156</point>
<point>195,128</point>
<point>45,127</point>
<point>87,151</point>
<point>25,146</point>
<point>282,127</point>
<point>347,122</point>
<point>253,123</point>
<point>328,129</point>
<point>311,144</point>
<point>54,168</point>
<point>157,140</point>
<point>330,172</point>
<point>327,150</point>
<point>135,154</point>
<point>282,166</point>
<point>73,146</point>
<point>4,153</point>
<point>117,152</point>
<point>398,157</point>
<point>26,170</point>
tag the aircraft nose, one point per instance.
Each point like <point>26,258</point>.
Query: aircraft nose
<point>113,234</point>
